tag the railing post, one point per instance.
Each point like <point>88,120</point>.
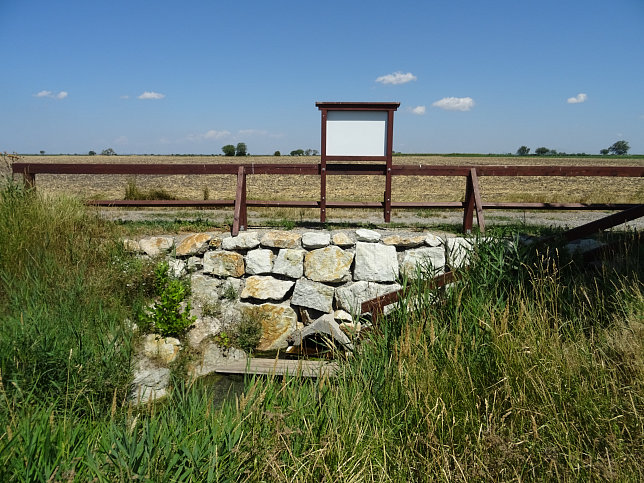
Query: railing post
<point>473,200</point>
<point>240,221</point>
<point>29,180</point>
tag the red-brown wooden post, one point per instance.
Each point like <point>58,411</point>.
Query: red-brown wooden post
<point>473,201</point>
<point>323,168</point>
<point>389,154</point>
<point>468,205</point>
<point>476,191</point>
<point>29,180</point>
<point>240,221</point>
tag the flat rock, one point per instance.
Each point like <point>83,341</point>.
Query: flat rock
<point>343,240</point>
<point>314,239</point>
<point>278,323</point>
<point>457,251</point>
<point>375,262</point>
<point>313,295</point>
<point>177,268</point>
<point>266,288</point>
<point>164,349</point>
<point>195,244</point>
<point>244,241</point>
<point>156,245</point>
<point>204,287</point>
<point>341,316</point>
<point>259,261</point>
<point>223,264</point>
<point>281,239</point>
<point>351,296</point>
<point>324,326</point>
<point>584,245</point>
<point>194,264</point>
<point>289,262</point>
<point>432,240</point>
<point>212,357</point>
<point>368,236</point>
<point>150,381</point>
<point>430,260</point>
<point>131,245</point>
<point>202,328</point>
<point>404,241</point>
<point>329,264</point>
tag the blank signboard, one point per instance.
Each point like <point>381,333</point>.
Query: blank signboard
<point>356,133</point>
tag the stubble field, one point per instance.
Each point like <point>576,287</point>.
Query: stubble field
<point>345,188</point>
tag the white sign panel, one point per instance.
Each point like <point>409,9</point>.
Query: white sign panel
<point>356,133</point>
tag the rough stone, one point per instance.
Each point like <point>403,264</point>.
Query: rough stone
<point>223,264</point>
<point>165,349</point>
<point>150,381</point>
<point>343,240</point>
<point>259,261</point>
<point>177,268</point>
<point>324,326</point>
<point>131,245</point>
<point>281,239</point>
<point>329,264</point>
<point>215,241</point>
<point>278,323</point>
<point>231,288</point>
<point>244,241</point>
<point>457,251</point>
<point>352,329</point>
<point>351,296</point>
<point>368,236</point>
<point>583,245</point>
<point>313,295</point>
<point>213,356</point>
<point>404,241</point>
<point>202,328</point>
<point>194,264</point>
<point>375,263</point>
<point>432,240</point>
<point>289,262</point>
<point>341,316</point>
<point>313,240</point>
<point>266,288</point>
<point>204,287</point>
<point>195,244</point>
<point>424,258</point>
<point>156,245</point>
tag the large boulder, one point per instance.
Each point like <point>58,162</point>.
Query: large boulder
<point>259,261</point>
<point>289,262</point>
<point>313,295</point>
<point>324,327</point>
<point>223,264</point>
<point>195,244</point>
<point>281,239</point>
<point>278,323</point>
<point>375,262</point>
<point>369,236</point>
<point>315,239</point>
<point>156,245</point>
<point>458,250</point>
<point>404,241</point>
<point>244,241</point>
<point>266,288</point>
<point>351,296</point>
<point>329,264</point>
<point>430,260</point>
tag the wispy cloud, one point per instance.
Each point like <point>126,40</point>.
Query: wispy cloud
<point>252,132</point>
<point>578,99</point>
<point>125,96</point>
<point>210,134</point>
<point>455,103</point>
<point>52,95</point>
<point>396,78</point>
<point>418,110</point>
<point>151,95</point>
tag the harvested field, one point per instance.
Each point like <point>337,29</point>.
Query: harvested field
<point>349,188</point>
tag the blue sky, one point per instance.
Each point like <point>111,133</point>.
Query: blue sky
<point>188,77</point>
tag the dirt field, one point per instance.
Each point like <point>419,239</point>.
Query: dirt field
<point>354,188</point>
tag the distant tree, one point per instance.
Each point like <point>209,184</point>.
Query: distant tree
<point>541,151</point>
<point>604,152</point>
<point>108,152</point>
<point>241,150</point>
<point>523,151</point>
<point>42,152</point>
<point>92,153</point>
<point>277,153</point>
<point>619,148</point>
<point>297,152</point>
<point>229,150</point>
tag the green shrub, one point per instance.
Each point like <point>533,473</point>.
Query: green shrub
<point>248,333</point>
<point>167,316</point>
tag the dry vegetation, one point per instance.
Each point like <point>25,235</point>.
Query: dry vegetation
<point>364,188</point>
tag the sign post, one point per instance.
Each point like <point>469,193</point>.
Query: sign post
<point>357,131</point>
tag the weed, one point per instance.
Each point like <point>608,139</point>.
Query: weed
<point>167,316</point>
<point>248,333</point>
<point>229,293</point>
<point>223,340</point>
<point>133,192</point>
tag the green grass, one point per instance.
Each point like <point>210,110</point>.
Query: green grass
<point>530,367</point>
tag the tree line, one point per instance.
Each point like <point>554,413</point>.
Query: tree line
<point>618,148</point>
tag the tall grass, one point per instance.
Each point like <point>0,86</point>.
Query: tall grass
<point>529,367</point>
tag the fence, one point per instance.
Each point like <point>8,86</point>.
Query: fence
<point>473,204</point>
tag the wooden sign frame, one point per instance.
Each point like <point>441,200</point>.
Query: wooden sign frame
<point>357,136</point>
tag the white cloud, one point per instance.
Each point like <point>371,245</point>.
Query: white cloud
<point>455,103</point>
<point>578,99</point>
<point>210,134</point>
<point>252,132</point>
<point>419,110</point>
<point>396,78</point>
<point>51,95</point>
<point>151,95</point>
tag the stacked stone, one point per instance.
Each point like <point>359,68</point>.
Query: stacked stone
<point>288,280</point>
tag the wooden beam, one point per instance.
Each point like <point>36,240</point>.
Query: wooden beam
<point>240,213</point>
<point>279,367</point>
<point>477,200</point>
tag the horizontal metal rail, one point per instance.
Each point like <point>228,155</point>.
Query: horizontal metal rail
<point>473,203</point>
